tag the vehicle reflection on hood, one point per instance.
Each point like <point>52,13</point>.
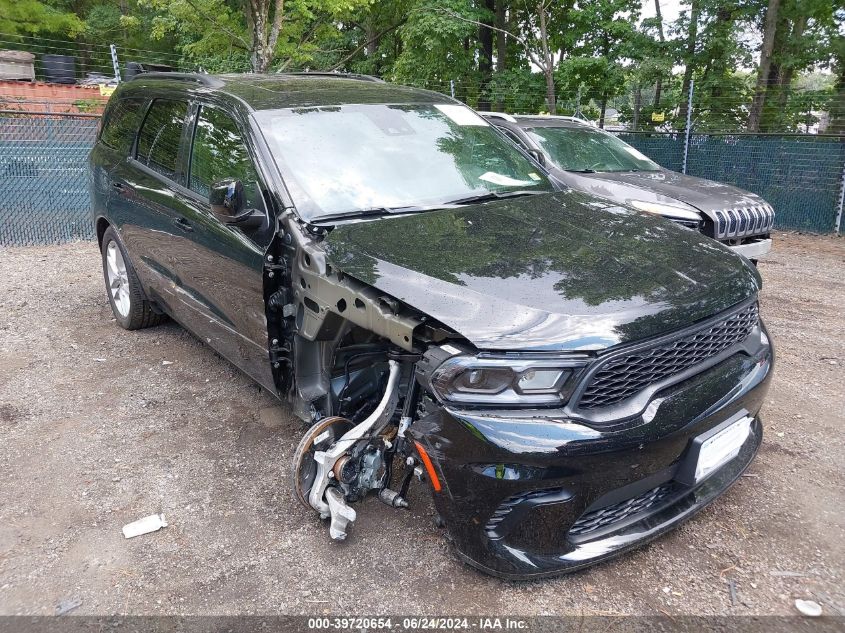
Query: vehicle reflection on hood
<point>557,271</point>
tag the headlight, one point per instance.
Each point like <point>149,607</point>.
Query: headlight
<point>667,210</point>
<point>500,381</point>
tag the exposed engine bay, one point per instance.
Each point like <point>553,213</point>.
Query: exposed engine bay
<point>345,356</point>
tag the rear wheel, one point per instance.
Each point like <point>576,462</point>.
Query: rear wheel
<point>131,309</point>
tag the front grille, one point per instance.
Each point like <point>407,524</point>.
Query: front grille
<point>744,221</point>
<point>607,516</point>
<point>624,376</point>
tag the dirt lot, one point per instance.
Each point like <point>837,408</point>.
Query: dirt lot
<point>97,429</point>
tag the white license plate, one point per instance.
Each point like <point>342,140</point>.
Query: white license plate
<point>721,448</point>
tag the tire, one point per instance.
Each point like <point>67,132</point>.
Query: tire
<point>128,302</point>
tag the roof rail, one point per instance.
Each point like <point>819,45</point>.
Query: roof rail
<point>201,78</point>
<point>356,76</point>
<point>498,115</point>
<point>565,118</point>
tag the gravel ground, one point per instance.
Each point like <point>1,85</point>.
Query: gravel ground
<point>98,428</point>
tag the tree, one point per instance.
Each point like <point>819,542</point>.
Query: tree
<point>769,31</point>
<point>610,36</point>
<point>531,28</point>
<point>32,17</point>
<point>689,58</point>
<point>265,30</point>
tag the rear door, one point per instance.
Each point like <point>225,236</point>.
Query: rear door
<point>113,147</point>
<point>220,266</point>
<point>142,197</point>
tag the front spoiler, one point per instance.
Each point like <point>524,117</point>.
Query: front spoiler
<point>639,533</point>
<point>753,250</point>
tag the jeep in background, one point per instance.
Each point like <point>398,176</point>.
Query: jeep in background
<point>571,377</point>
<point>591,160</point>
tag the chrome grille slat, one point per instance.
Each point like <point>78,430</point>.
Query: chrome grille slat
<point>758,219</point>
<point>722,227</point>
<point>622,377</point>
<point>744,221</point>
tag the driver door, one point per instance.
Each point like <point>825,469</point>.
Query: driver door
<point>220,265</point>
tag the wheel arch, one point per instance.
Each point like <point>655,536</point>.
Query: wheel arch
<point>101,226</point>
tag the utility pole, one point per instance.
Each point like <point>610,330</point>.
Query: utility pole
<point>837,227</point>
<point>115,62</point>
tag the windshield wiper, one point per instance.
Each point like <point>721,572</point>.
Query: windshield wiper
<point>494,195</point>
<point>581,171</point>
<point>372,212</point>
<point>376,212</point>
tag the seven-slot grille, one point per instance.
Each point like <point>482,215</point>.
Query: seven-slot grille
<point>624,376</point>
<point>744,221</point>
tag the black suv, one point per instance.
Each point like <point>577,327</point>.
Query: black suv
<point>571,377</point>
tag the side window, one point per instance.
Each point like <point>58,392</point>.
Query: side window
<point>121,123</point>
<point>158,142</point>
<point>219,152</point>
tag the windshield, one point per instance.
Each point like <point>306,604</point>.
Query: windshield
<point>588,149</point>
<point>348,159</point>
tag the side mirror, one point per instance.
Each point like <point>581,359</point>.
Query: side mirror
<point>537,155</point>
<point>228,204</point>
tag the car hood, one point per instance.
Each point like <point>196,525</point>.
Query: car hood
<point>666,187</point>
<point>559,271</point>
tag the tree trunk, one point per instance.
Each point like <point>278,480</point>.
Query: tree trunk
<point>769,30</point>
<point>485,58</point>
<point>501,38</point>
<point>787,71</point>
<point>658,85</point>
<point>551,98</point>
<point>638,101</point>
<point>372,39</point>
<point>501,46</point>
<point>548,60</point>
<point>263,33</point>
<point>689,61</point>
<point>603,109</point>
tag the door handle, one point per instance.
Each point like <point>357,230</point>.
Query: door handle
<point>183,224</point>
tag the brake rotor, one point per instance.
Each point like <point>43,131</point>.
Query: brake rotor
<point>319,437</point>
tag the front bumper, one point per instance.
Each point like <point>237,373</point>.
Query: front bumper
<point>527,494</point>
<point>753,250</point>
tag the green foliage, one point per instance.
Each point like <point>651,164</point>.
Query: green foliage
<point>437,46</point>
<point>595,56</point>
<point>32,17</point>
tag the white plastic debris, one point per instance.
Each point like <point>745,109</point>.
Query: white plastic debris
<point>152,523</point>
<point>66,606</point>
<point>166,362</point>
<point>809,608</point>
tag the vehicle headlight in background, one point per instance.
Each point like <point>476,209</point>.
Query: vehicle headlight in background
<point>667,210</point>
<point>497,381</point>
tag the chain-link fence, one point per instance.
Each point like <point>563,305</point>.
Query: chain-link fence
<point>44,187</point>
<point>801,176</point>
<point>43,181</point>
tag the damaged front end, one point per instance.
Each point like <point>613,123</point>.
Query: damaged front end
<point>542,458</point>
<point>344,355</point>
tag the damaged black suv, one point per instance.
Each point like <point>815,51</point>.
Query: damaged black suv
<point>570,377</point>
